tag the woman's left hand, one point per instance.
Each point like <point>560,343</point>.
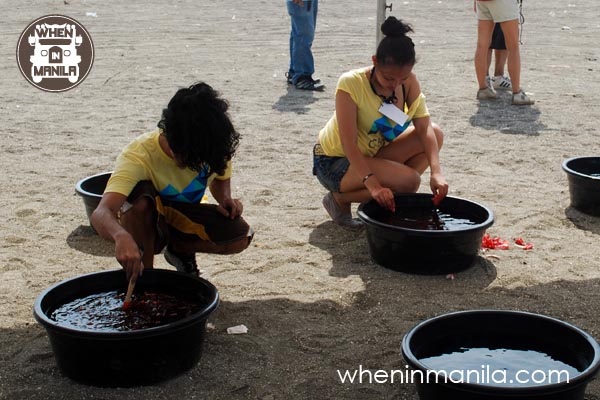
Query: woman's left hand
<point>439,188</point>
<point>231,208</point>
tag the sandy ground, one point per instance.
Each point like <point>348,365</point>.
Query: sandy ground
<point>311,297</point>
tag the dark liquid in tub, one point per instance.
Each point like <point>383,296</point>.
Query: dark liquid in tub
<point>104,311</point>
<point>428,219</point>
<point>501,367</point>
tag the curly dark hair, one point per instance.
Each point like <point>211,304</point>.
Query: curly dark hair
<point>198,128</point>
<point>396,48</point>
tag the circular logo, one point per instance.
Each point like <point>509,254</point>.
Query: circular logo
<point>55,53</point>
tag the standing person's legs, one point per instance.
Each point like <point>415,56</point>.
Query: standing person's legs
<point>489,63</point>
<point>301,37</point>
<point>500,57</point>
<point>500,61</point>
<point>484,36</point>
<point>511,37</point>
<point>290,73</point>
<point>499,47</point>
<point>506,12</point>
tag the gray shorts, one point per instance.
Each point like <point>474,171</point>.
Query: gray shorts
<point>498,10</point>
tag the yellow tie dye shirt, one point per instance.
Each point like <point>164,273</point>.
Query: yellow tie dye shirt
<point>374,129</point>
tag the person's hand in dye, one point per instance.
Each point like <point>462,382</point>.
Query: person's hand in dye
<point>384,197</point>
<point>128,254</point>
<point>439,188</point>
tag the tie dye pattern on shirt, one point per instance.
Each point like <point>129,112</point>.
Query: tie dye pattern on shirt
<point>192,193</point>
<point>390,132</point>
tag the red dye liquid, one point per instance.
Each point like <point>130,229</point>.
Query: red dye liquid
<point>105,311</point>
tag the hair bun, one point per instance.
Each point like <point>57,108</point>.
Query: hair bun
<point>394,27</point>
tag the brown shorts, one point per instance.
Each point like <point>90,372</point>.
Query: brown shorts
<point>187,221</point>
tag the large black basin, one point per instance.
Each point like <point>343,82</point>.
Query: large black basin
<point>499,331</point>
<point>127,358</point>
<point>91,189</point>
<point>583,174</point>
<point>422,251</point>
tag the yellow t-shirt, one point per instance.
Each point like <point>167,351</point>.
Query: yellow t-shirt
<point>373,127</point>
<point>144,159</point>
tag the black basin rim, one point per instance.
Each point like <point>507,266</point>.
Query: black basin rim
<point>423,232</point>
<point>79,186</point>
<point>571,171</point>
<point>41,316</point>
<point>578,380</point>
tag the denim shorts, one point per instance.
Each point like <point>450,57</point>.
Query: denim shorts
<point>329,170</point>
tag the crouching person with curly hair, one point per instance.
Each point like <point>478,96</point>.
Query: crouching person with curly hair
<point>153,198</point>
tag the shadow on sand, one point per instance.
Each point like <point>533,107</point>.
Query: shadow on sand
<point>502,116</point>
<point>583,221</point>
<point>296,101</point>
<point>86,240</point>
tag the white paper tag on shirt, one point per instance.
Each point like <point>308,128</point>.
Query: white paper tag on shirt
<point>393,113</point>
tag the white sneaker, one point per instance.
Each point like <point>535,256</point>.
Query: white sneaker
<point>486,94</point>
<point>521,99</point>
<point>501,82</point>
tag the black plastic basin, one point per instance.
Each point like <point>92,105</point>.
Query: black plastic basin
<point>91,189</point>
<point>422,251</point>
<point>126,358</point>
<point>583,174</point>
<point>503,331</point>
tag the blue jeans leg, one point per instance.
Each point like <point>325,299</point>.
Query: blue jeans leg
<point>304,19</point>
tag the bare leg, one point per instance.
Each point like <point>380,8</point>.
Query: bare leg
<point>489,61</point>
<point>500,60</point>
<point>511,37</point>
<point>484,37</point>
<point>346,199</point>
<point>398,166</point>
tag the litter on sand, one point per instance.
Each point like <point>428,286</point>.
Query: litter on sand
<point>237,330</point>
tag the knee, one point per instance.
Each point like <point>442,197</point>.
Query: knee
<point>306,37</point>
<point>408,182</point>
<point>512,46</point>
<point>482,47</point>
<point>239,245</point>
<point>236,247</point>
<point>142,212</point>
<point>414,182</point>
<point>143,206</point>
<point>439,135</point>
<point>483,44</point>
